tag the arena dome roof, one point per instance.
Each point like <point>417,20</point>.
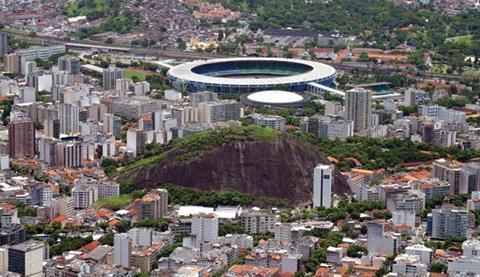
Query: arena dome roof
<point>275,97</point>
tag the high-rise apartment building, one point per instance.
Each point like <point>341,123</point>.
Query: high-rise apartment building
<point>327,127</point>
<point>205,228</point>
<point>21,137</point>
<point>323,180</point>
<point>211,112</point>
<point>358,108</point>
<point>107,189</point>
<point>69,154</point>
<point>123,247</point>
<point>112,124</point>
<point>154,205</point>
<point>51,127</point>
<point>110,76</point>
<point>68,63</point>
<point>27,258</point>
<point>255,222</point>
<point>12,63</point>
<point>470,177</point>
<point>205,96</point>
<point>85,193</point>
<point>136,140</point>
<point>450,171</point>
<point>451,222</point>
<point>69,116</point>
<point>3,44</point>
<point>381,242</point>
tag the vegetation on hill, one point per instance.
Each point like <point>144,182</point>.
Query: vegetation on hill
<point>189,196</point>
<point>93,9</point>
<point>375,153</point>
<point>191,146</point>
<point>115,203</point>
<point>379,22</point>
<point>117,18</point>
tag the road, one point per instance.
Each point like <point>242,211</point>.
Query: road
<point>160,53</point>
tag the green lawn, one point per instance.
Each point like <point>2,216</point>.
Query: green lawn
<point>440,68</point>
<point>130,73</point>
<point>468,39</point>
<point>115,202</point>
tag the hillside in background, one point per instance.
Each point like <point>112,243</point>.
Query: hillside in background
<point>254,160</point>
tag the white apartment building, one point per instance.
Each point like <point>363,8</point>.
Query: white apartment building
<point>205,228</point>
<point>122,249</point>
<point>323,179</point>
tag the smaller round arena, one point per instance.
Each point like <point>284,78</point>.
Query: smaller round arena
<point>275,99</point>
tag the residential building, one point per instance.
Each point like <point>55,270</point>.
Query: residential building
<point>222,110</point>
<point>69,63</point>
<point>381,242</point>
<point>411,200</point>
<point>451,222</point>
<point>205,96</point>
<point>327,127</point>
<point>141,236</point>
<point>424,253</point>
<point>403,217</point>
<point>27,258</point>
<point>110,76</point>
<point>69,116</point>
<point>470,177</point>
<point>469,263</point>
<point>449,171</point>
<point>108,189</point>
<point>3,259</point>
<point>112,124</point>
<point>51,128</point>
<point>154,205</point>
<point>21,137</point>
<point>442,113</point>
<point>323,180</point>
<point>270,121</point>
<point>358,108</point>
<point>136,141</point>
<point>12,234</point>
<point>85,193</point>
<point>205,228</point>
<point>122,249</point>
<point>409,265</point>
<point>255,221</point>
<point>283,231</point>
<point>142,88</point>
<point>444,137</point>
<point>3,43</point>
<point>70,154</point>
<point>12,63</point>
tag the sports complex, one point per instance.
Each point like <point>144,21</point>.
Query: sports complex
<point>245,75</point>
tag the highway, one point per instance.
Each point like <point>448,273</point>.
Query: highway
<point>167,53</point>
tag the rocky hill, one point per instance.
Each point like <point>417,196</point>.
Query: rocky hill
<point>253,160</point>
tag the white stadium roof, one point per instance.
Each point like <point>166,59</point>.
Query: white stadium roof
<point>275,97</point>
<point>318,71</point>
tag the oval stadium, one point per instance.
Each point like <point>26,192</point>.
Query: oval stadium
<point>274,99</point>
<point>243,75</point>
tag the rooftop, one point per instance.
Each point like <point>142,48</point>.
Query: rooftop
<point>275,96</point>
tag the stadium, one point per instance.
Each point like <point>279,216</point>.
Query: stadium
<point>244,75</point>
<point>275,99</point>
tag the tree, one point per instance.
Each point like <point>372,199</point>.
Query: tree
<point>38,125</point>
<point>356,251</point>
<point>439,268</point>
